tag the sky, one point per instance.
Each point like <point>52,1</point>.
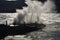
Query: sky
<point>11,0</point>
<point>11,6</point>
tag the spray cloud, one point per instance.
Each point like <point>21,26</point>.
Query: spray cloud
<point>37,9</point>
